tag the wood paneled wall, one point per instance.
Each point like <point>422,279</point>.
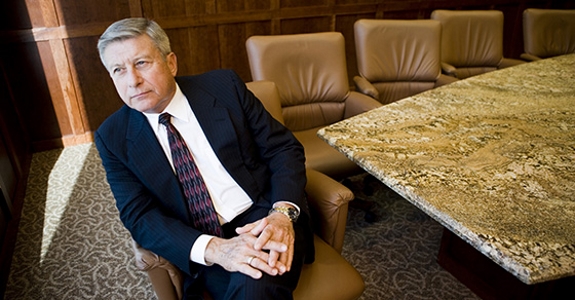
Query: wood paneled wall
<point>63,93</point>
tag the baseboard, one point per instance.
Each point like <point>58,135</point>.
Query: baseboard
<point>63,142</point>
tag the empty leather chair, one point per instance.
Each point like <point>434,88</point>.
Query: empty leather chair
<point>548,32</point>
<point>310,73</point>
<point>329,277</point>
<point>398,58</point>
<point>471,42</point>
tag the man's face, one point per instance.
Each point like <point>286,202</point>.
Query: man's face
<point>144,80</point>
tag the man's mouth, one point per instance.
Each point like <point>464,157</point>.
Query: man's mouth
<point>139,95</point>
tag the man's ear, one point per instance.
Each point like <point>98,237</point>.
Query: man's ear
<point>172,62</point>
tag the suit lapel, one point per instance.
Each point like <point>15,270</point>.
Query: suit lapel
<point>217,126</point>
<point>221,134</point>
<point>149,161</point>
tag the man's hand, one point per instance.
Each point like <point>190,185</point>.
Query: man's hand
<point>276,229</point>
<point>238,254</point>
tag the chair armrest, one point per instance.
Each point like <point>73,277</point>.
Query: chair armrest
<point>357,103</point>
<point>365,87</point>
<point>529,57</point>
<point>509,62</point>
<point>157,267</point>
<point>328,201</point>
<point>448,69</point>
<point>444,79</point>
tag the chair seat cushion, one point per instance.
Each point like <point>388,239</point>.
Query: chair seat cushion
<point>329,277</point>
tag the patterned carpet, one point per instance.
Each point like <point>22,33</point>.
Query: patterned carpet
<point>71,244</point>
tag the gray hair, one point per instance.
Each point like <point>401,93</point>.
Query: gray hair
<point>131,28</point>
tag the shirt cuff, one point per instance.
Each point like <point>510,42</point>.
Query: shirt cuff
<point>199,249</point>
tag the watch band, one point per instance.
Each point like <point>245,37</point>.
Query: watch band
<point>289,212</point>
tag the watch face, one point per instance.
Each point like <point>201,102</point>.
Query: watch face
<point>293,214</point>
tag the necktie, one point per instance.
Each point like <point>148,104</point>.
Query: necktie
<point>200,204</point>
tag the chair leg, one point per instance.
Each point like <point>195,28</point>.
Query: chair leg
<point>367,188</point>
<point>363,204</point>
<point>366,206</point>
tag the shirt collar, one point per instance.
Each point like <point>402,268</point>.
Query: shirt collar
<point>178,107</point>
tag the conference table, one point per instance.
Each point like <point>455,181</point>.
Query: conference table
<point>492,159</point>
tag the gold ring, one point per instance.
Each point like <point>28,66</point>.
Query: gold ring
<point>250,260</point>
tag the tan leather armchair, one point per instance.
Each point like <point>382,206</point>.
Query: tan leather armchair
<point>472,42</point>
<point>547,33</point>
<point>310,73</point>
<point>329,277</point>
<point>398,58</point>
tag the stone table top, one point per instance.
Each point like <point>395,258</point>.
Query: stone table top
<point>491,158</point>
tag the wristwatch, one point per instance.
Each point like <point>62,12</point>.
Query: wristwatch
<point>289,212</point>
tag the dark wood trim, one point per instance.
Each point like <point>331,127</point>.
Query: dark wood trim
<point>136,9</point>
<point>63,142</point>
<point>9,241</point>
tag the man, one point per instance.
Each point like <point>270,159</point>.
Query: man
<point>251,166</point>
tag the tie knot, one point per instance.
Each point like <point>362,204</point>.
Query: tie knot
<point>165,118</point>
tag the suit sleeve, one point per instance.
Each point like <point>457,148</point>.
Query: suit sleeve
<point>152,219</point>
<point>278,149</point>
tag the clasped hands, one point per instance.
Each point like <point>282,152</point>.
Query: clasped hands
<point>266,246</point>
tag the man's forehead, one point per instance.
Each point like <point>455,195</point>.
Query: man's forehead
<point>128,49</point>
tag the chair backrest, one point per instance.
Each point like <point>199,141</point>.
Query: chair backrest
<point>267,92</point>
<point>471,38</point>
<point>549,32</point>
<point>309,71</point>
<point>399,58</point>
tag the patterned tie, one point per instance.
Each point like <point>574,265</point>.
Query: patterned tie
<point>199,202</point>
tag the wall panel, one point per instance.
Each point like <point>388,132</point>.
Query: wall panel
<point>197,49</point>
<point>306,25</point>
<point>242,5</point>
<point>15,159</point>
<point>74,12</point>
<point>303,3</point>
<point>232,39</point>
<point>156,9</point>
<point>28,85</point>
<point>96,95</point>
<point>344,24</point>
<point>11,13</point>
<point>50,44</point>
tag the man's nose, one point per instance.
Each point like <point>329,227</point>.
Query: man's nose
<point>134,77</point>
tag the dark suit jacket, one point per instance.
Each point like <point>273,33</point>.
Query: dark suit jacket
<point>260,154</point>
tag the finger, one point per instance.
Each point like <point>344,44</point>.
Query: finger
<point>289,255</point>
<point>260,265</point>
<point>286,259</point>
<point>274,246</point>
<point>263,239</point>
<point>247,228</point>
<point>250,266</point>
<point>250,271</point>
<point>273,262</point>
<point>261,225</point>
<point>273,258</point>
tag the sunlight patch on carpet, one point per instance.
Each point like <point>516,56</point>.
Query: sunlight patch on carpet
<point>61,183</point>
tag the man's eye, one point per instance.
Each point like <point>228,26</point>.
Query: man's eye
<point>141,63</point>
<point>116,70</point>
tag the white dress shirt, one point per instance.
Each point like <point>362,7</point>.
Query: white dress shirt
<point>228,197</point>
